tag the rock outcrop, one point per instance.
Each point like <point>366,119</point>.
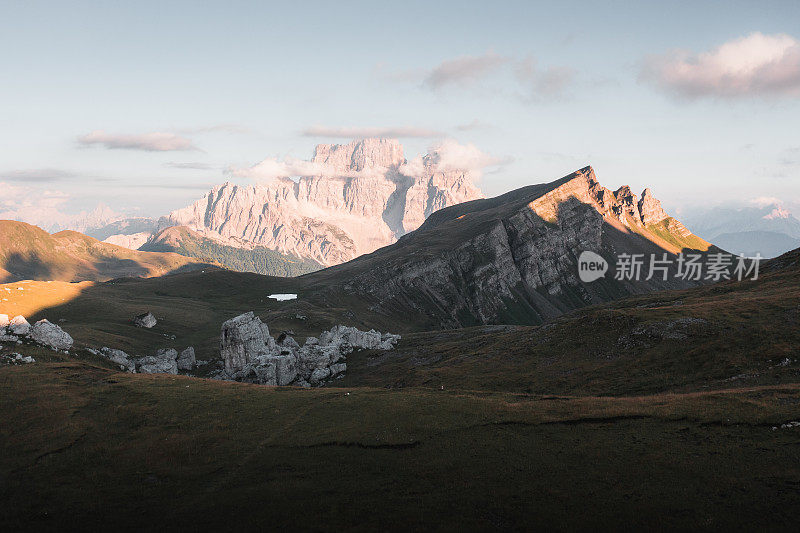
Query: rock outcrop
<point>513,258</point>
<point>186,359</point>
<point>19,326</point>
<point>50,335</point>
<point>145,320</point>
<point>250,354</point>
<point>163,362</point>
<point>119,357</point>
<point>361,202</point>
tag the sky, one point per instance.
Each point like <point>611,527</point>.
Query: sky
<point>143,106</point>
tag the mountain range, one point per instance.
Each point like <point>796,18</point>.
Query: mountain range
<point>770,229</point>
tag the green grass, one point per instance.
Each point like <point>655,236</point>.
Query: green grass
<point>83,443</point>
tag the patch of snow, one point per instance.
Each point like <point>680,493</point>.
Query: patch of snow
<point>283,297</point>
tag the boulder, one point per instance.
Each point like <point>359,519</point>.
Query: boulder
<point>163,362</point>
<point>319,375</point>
<point>119,357</point>
<point>48,334</point>
<point>145,320</point>
<point>243,339</point>
<point>19,326</point>
<point>338,369</point>
<point>285,368</point>
<point>4,321</point>
<point>186,359</point>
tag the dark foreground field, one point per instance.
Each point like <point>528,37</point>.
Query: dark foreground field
<point>83,446</point>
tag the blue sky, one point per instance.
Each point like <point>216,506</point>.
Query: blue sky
<point>541,88</point>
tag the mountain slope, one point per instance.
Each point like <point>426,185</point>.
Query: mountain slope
<point>513,258</point>
<point>258,259</point>
<point>363,197</point>
<point>28,252</point>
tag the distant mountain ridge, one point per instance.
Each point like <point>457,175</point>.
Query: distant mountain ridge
<point>769,230</point>
<point>29,252</point>
<point>257,259</point>
<point>364,202</point>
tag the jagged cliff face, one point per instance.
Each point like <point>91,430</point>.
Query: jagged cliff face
<point>365,204</point>
<point>513,259</point>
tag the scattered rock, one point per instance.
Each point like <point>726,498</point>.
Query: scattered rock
<point>119,357</point>
<point>48,334</point>
<point>250,354</point>
<point>16,359</point>
<point>146,320</point>
<point>186,359</point>
<point>163,362</point>
<point>19,326</point>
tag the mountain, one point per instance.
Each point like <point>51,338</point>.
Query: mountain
<point>770,229</point>
<point>28,252</point>
<point>513,258</point>
<point>258,259</point>
<point>364,197</point>
<point>122,227</point>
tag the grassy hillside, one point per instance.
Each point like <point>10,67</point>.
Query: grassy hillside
<point>261,260</point>
<point>83,443</point>
<point>28,252</point>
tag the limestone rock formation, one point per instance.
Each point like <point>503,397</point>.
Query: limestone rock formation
<point>19,326</point>
<point>145,320</point>
<point>163,362</point>
<point>119,357</point>
<point>360,201</point>
<point>513,258</point>
<point>50,335</point>
<point>250,354</point>
<point>186,360</point>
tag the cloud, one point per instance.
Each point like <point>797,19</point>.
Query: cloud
<point>754,66</point>
<point>36,175</point>
<point>464,69</point>
<point>189,165</point>
<point>445,155</point>
<point>474,125</point>
<point>223,128</point>
<point>546,84</point>
<point>149,142</point>
<point>450,155</point>
<point>359,133</point>
<point>765,201</point>
<point>272,168</point>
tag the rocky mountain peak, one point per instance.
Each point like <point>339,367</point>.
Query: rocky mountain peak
<point>334,216</point>
<point>360,155</point>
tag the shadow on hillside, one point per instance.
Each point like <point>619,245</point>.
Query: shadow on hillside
<point>28,266</point>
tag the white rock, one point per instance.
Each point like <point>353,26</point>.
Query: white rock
<point>186,359</point>
<point>49,334</point>
<point>119,357</point>
<point>4,321</point>
<point>163,362</point>
<point>145,320</point>
<point>19,326</point>
<point>319,375</point>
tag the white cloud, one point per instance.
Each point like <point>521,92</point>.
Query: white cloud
<point>538,84</point>
<point>149,142</point>
<point>44,208</point>
<point>764,201</point>
<point>188,165</point>
<point>358,133</point>
<point>36,175</point>
<point>272,168</point>
<point>464,69</point>
<point>451,155</point>
<point>756,65</point>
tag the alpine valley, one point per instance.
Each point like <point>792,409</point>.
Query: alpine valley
<point>420,357</point>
